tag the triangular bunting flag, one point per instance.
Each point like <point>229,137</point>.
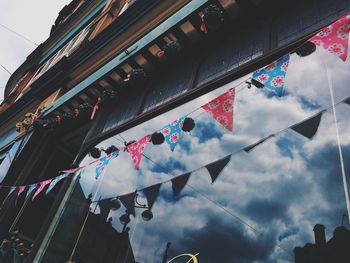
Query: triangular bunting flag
<point>179,183</point>
<point>221,108</point>
<point>128,201</point>
<point>252,146</point>
<point>40,188</point>
<point>30,189</point>
<point>104,162</point>
<point>216,168</point>
<point>151,194</point>
<point>273,75</point>
<point>105,208</point>
<point>12,189</point>
<point>309,127</point>
<point>347,101</point>
<point>136,149</point>
<point>334,38</point>
<point>21,189</point>
<point>55,181</point>
<point>172,132</point>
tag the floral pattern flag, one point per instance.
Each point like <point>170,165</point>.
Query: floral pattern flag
<point>55,181</point>
<point>221,108</point>
<point>273,75</point>
<point>31,189</point>
<point>172,132</point>
<point>136,150</point>
<point>21,189</point>
<point>101,165</point>
<point>41,187</point>
<point>335,37</point>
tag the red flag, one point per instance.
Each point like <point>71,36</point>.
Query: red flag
<point>221,108</point>
<point>136,149</point>
<point>41,187</point>
<point>21,190</point>
<point>335,37</point>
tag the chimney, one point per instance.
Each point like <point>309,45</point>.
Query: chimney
<point>320,236</point>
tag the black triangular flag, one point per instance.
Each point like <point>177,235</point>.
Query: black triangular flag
<point>151,194</point>
<point>179,183</point>
<point>215,168</point>
<point>252,146</point>
<point>128,201</point>
<point>347,101</point>
<point>309,127</point>
<point>105,207</point>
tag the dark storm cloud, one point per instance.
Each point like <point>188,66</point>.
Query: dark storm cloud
<point>171,165</point>
<point>266,210</point>
<point>206,131</point>
<point>225,242</point>
<point>288,232</point>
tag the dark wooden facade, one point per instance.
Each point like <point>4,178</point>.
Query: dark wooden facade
<point>253,34</point>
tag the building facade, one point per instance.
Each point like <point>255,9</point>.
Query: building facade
<point>112,71</point>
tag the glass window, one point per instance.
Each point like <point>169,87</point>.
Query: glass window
<point>263,204</point>
<point>64,51</point>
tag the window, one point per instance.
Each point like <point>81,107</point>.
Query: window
<point>67,50</point>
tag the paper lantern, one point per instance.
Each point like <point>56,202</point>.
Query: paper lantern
<point>213,16</point>
<point>95,153</point>
<point>157,138</point>
<point>188,125</point>
<point>306,49</point>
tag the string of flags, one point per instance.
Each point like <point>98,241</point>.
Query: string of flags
<point>306,128</point>
<point>333,38</point>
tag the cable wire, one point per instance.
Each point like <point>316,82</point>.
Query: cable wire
<point>18,34</point>
<point>9,72</point>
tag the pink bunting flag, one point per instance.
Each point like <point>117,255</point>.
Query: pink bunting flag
<point>136,149</point>
<point>221,108</point>
<point>21,190</point>
<point>335,37</point>
<point>41,187</point>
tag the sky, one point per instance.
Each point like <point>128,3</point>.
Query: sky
<point>281,189</point>
<point>33,19</point>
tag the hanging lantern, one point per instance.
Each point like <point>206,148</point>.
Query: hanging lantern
<point>147,215</point>
<point>306,49</point>
<point>188,124</point>
<point>115,204</point>
<point>124,219</point>
<point>137,76</point>
<point>157,138</point>
<point>109,96</point>
<point>213,16</point>
<point>51,123</point>
<point>95,153</point>
<point>38,125</point>
<point>67,117</point>
<point>111,149</point>
<point>172,49</point>
<point>85,109</point>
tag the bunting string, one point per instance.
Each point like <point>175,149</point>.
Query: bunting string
<point>221,109</point>
<point>257,143</point>
<point>248,148</point>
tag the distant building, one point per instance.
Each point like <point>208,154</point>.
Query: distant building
<point>335,250</point>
